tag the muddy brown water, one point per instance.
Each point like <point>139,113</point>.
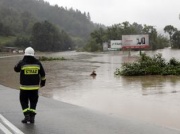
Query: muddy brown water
<point>154,99</point>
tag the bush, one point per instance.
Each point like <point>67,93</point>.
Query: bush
<point>146,65</point>
<point>43,58</point>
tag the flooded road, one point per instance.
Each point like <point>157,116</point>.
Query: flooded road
<point>154,99</point>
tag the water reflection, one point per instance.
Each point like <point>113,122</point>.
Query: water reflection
<point>152,85</point>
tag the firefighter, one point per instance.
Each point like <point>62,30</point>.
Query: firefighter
<point>32,77</point>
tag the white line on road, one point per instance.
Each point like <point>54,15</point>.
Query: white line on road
<point>4,129</point>
<point>10,126</point>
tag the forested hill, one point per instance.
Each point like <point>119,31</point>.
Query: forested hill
<point>20,15</point>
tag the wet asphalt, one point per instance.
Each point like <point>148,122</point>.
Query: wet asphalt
<point>55,117</point>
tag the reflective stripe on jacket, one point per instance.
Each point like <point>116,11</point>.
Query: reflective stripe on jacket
<point>32,87</point>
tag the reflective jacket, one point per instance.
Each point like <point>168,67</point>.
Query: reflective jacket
<point>32,74</point>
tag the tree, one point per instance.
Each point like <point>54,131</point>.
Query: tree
<point>92,46</point>
<point>170,30</point>
<point>46,37</point>
<point>152,36</point>
<point>22,42</point>
<point>98,35</point>
<point>176,40</point>
<point>138,27</point>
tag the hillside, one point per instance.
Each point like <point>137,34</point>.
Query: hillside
<point>19,16</point>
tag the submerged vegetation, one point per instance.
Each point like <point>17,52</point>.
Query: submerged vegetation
<point>43,58</point>
<point>147,65</point>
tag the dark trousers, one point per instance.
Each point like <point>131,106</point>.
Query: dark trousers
<point>28,99</point>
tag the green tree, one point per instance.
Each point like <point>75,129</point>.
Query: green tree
<point>152,36</point>
<point>137,27</point>
<point>22,41</point>
<point>176,40</point>
<point>92,46</point>
<point>97,35</point>
<point>127,28</point>
<point>170,30</point>
<point>161,41</point>
<point>46,37</point>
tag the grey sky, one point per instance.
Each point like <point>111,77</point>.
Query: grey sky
<point>157,13</point>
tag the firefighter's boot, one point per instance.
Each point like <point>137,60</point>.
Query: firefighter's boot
<point>32,117</point>
<point>26,118</point>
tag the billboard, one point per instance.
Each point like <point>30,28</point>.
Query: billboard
<point>115,45</point>
<point>135,41</point>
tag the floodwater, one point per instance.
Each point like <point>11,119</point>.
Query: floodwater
<point>154,99</point>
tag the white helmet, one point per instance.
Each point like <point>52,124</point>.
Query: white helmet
<point>29,51</point>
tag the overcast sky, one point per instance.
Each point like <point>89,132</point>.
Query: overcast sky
<point>158,13</point>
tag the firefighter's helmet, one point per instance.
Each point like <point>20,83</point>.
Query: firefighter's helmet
<point>29,51</point>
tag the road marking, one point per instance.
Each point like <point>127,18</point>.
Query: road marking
<point>7,127</point>
<point>4,129</point>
